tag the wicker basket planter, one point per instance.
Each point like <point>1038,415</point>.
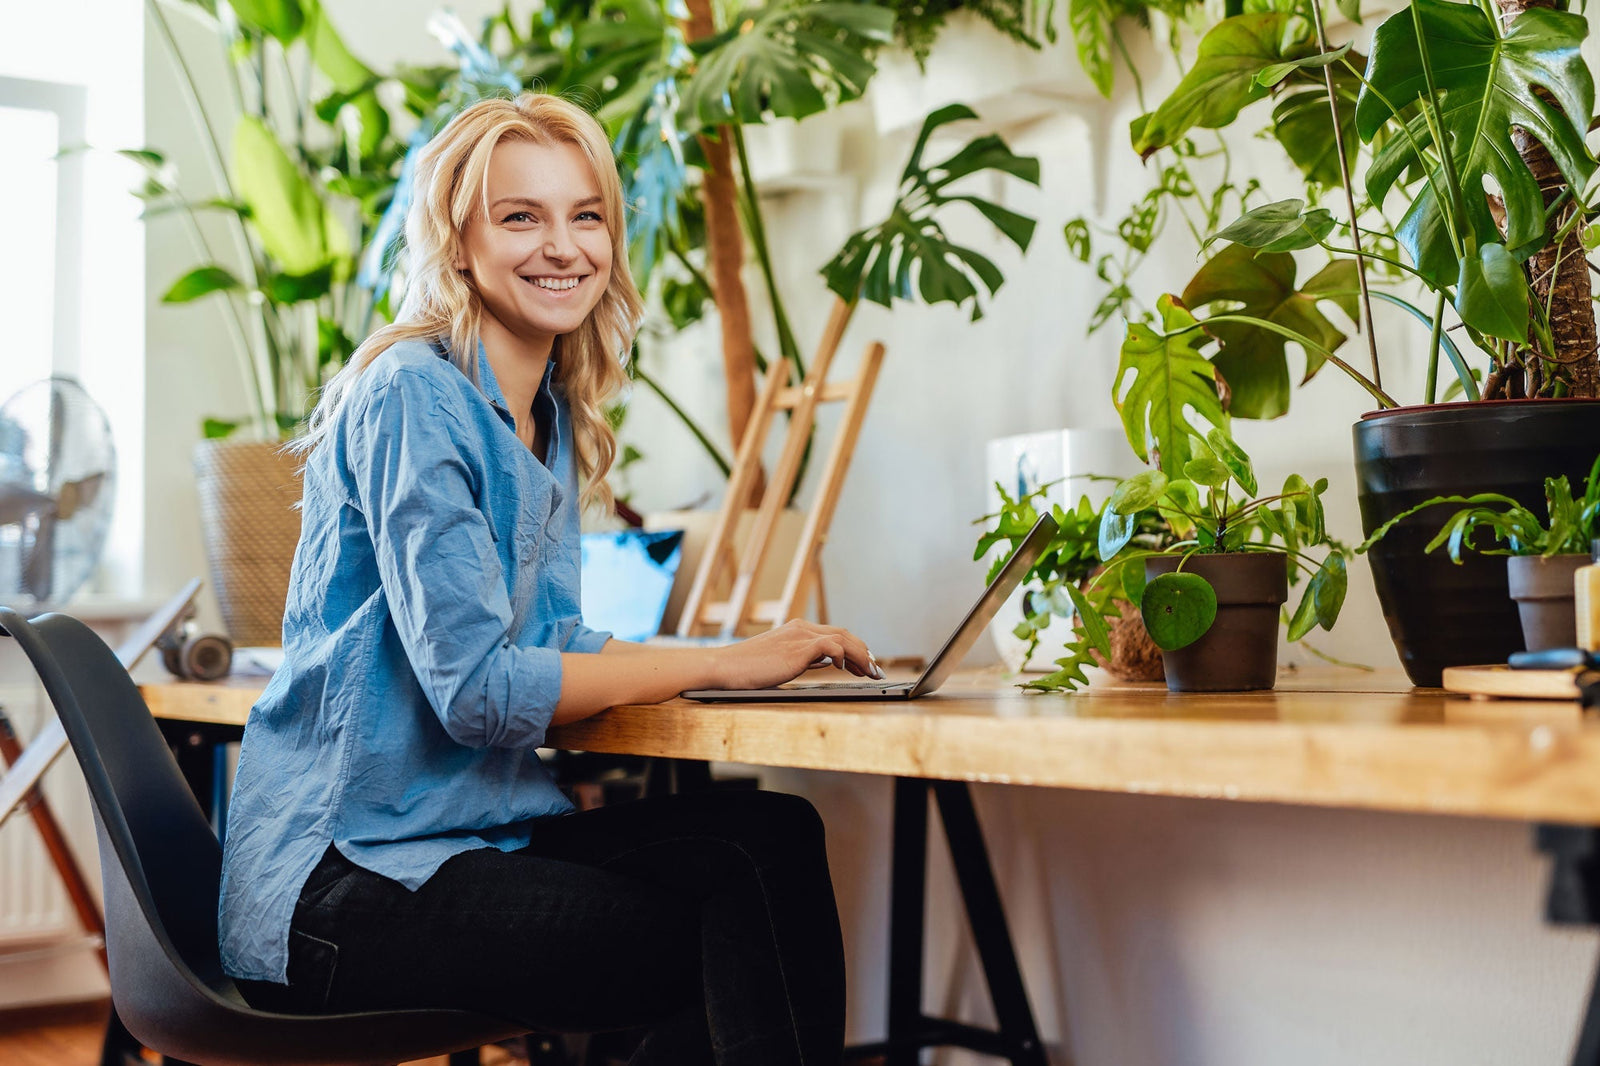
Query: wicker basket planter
<point>248,496</point>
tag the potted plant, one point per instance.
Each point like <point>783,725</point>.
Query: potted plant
<point>1212,597</point>
<point>301,166</point>
<point>1073,558</point>
<point>1447,106</point>
<point>1541,555</point>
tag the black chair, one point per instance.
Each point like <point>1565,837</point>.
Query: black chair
<point>161,872</point>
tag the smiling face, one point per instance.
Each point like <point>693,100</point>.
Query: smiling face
<point>541,258</point>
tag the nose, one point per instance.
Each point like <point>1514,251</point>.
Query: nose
<point>559,243</point>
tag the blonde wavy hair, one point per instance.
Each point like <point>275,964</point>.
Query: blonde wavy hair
<point>441,303</point>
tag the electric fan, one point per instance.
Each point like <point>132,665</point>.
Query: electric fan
<point>58,476</point>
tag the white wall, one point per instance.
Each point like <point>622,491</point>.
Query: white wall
<point>1153,931</point>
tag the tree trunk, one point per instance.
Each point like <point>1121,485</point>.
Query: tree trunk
<point>1559,275</point>
<point>725,245</point>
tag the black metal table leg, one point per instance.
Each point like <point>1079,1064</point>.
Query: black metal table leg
<point>987,917</point>
<point>909,1030</point>
<point>907,918</point>
<point>1574,899</point>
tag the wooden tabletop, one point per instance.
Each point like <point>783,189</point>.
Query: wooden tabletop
<point>1339,739</point>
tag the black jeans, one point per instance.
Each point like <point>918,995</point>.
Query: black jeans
<point>707,918</point>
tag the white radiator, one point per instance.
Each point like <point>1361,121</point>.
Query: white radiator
<point>33,904</point>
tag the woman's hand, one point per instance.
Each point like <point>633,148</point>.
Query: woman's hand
<point>784,653</point>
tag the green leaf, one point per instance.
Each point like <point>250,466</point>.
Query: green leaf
<point>1234,459</point>
<point>1133,581</point>
<point>347,73</point>
<point>200,282</point>
<point>1137,493</point>
<point>1488,84</point>
<point>1275,73</point>
<point>788,58</point>
<point>1161,378</point>
<point>1076,233</point>
<point>275,18</point>
<point>1093,25</point>
<point>1115,532</point>
<point>217,428</point>
<point>1492,294</point>
<point>1223,78</point>
<point>1303,125</point>
<point>1177,609</point>
<point>879,263</point>
<point>1206,470</point>
<point>1304,619</point>
<point>1252,359</point>
<point>1350,9</point>
<point>285,210</point>
<point>1283,226</point>
<point>294,288</point>
<point>1178,507</point>
<point>1327,590</point>
<point>1090,621</point>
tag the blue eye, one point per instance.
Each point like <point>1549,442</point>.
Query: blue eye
<point>590,216</point>
<point>518,216</point>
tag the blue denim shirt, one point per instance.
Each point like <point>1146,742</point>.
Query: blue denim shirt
<point>433,591</point>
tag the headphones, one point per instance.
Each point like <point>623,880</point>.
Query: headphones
<point>192,657</point>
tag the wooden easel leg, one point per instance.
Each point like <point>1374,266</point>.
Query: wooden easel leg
<point>55,843</point>
<point>822,595</point>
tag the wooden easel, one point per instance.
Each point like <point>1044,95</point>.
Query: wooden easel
<point>740,612</point>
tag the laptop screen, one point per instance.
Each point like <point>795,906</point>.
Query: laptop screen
<point>1004,583</point>
<point>627,579</point>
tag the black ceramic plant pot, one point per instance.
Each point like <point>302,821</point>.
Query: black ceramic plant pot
<point>1239,653</point>
<point>1439,613</point>
<point>1544,593</point>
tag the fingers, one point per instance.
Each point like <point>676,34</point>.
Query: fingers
<point>848,652</point>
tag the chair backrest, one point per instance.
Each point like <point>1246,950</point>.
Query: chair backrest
<point>165,854</point>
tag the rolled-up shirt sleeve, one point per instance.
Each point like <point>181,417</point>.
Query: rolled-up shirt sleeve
<point>585,639</point>
<point>440,571</point>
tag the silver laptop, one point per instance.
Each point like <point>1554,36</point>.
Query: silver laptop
<point>939,668</point>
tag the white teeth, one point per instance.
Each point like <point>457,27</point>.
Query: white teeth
<point>558,284</point>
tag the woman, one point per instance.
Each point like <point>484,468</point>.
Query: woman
<point>393,839</point>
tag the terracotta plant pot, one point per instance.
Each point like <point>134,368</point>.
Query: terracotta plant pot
<point>1441,614</point>
<point>1543,589</point>
<point>1239,653</point>
<point>248,492</point>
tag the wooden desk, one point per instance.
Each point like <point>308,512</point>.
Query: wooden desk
<point>1326,739</point>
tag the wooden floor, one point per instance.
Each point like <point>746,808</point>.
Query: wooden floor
<point>70,1036</point>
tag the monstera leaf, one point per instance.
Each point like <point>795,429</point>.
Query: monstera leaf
<point>1160,379</point>
<point>1303,125</point>
<point>786,58</point>
<point>1224,77</point>
<point>1487,84</point>
<point>882,262</point>
<point>1252,359</point>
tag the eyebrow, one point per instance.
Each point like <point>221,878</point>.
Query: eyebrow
<point>592,201</point>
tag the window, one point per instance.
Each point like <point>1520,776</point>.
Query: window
<point>41,211</point>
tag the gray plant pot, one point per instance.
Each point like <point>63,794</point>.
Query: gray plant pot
<point>1543,590</point>
<point>1239,653</point>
